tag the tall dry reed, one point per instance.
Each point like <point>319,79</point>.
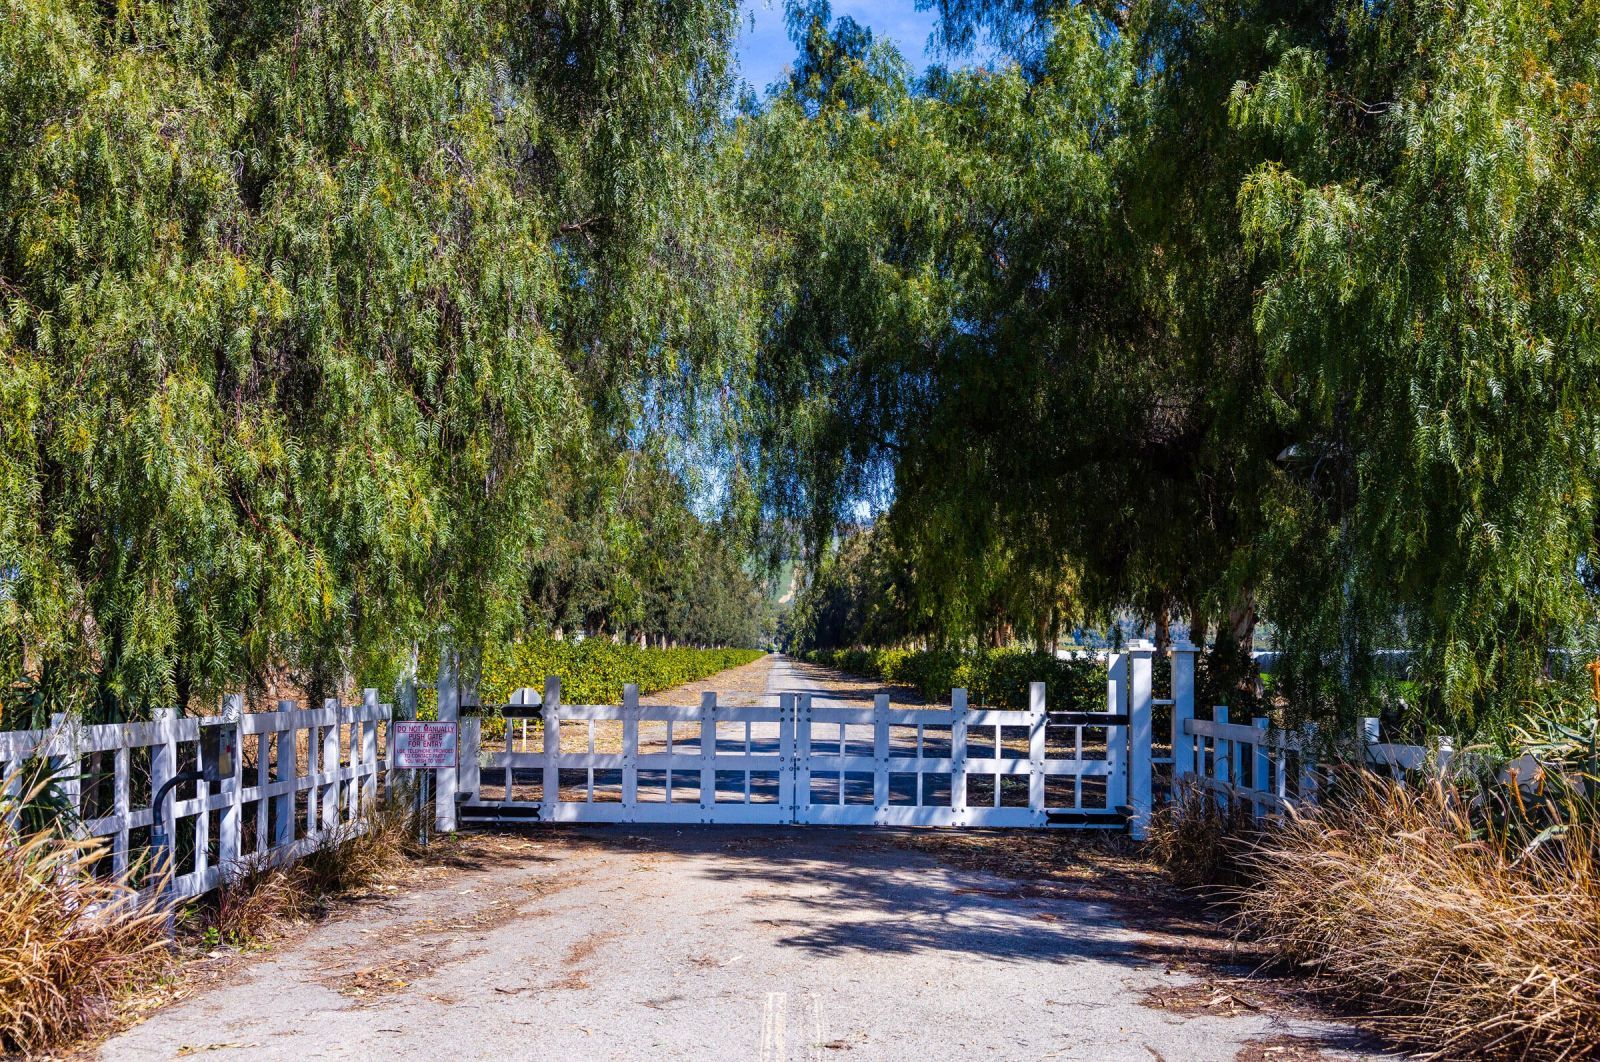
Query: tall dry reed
<point>1462,939</point>
<point>71,944</point>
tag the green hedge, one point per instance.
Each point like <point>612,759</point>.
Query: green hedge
<point>595,670</point>
<point>995,677</point>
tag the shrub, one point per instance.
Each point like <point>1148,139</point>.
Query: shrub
<point>595,670</point>
<point>70,944</point>
<point>996,677</point>
<point>254,901</point>
<point>1466,941</point>
<point>350,859</point>
<point>1197,841</point>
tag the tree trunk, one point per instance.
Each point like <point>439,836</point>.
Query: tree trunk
<point>1242,620</point>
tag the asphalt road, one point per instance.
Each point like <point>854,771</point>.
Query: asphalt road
<point>707,943</point>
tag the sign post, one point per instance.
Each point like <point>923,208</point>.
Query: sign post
<point>425,747</point>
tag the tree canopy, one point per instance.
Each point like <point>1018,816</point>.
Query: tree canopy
<point>300,303</point>
<point>333,332</point>
<point>1212,311</point>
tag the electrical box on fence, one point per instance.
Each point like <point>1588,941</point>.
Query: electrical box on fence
<point>219,751</point>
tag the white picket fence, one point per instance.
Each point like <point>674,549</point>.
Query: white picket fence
<point>303,774</point>
<point>803,758</point>
<point>1266,770</point>
<point>797,758</point>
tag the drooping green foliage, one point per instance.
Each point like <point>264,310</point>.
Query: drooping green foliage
<point>624,553</point>
<point>329,332</point>
<point>1211,311</point>
<point>895,366</point>
<point>298,301</point>
<point>1431,242</point>
<point>858,597</point>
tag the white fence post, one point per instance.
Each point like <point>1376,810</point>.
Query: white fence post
<point>1117,751</point>
<point>445,779</point>
<point>880,756</point>
<point>328,768</point>
<point>369,751</point>
<point>1221,756</point>
<point>232,788</point>
<point>1036,750</point>
<point>802,758</point>
<point>1261,765</point>
<point>788,743</point>
<point>1183,760</point>
<point>550,790</point>
<point>163,765</point>
<point>405,708</point>
<point>264,744</point>
<point>313,769</point>
<point>10,777</point>
<point>708,752</point>
<point>1371,729</point>
<point>286,765</point>
<point>1306,789</point>
<point>121,802</point>
<point>67,770</point>
<point>958,756</point>
<point>630,751</point>
<point>1140,733</point>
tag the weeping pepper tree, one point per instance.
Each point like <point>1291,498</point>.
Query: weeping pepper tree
<point>1281,309</point>
<point>297,301</point>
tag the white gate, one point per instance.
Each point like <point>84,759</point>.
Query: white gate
<point>802,758</point>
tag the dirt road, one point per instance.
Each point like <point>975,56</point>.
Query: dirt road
<point>769,944</point>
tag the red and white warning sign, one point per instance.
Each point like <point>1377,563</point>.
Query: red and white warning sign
<point>424,746</point>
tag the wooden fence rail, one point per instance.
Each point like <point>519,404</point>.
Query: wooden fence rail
<point>1268,769</point>
<point>308,774</point>
<point>303,775</point>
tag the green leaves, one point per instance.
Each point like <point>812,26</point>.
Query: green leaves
<point>1419,235</point>
<point>595,670</point>
<point>300,304</point>
<point>1200,310</point>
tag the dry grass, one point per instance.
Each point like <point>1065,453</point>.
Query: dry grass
<point>1197,842</point>
<point>1461,941</point>
<point>71,946</point>
<point>260,899</point>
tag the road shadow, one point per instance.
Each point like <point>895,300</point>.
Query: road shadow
<point>874,890</point>
<point>833,892</point>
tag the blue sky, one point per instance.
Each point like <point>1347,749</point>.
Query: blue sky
<point>764,47</point>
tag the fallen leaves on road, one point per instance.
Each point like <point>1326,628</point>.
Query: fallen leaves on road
<point>200,1049</point>
<point>1230,998</point>
<point>374,982</point>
